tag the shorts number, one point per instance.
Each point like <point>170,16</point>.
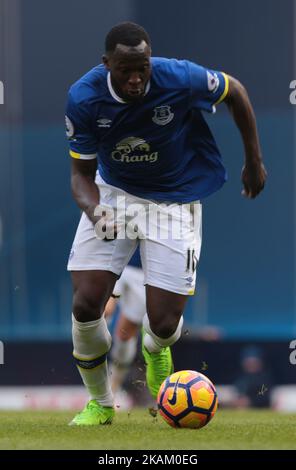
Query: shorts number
<point>191,260</point>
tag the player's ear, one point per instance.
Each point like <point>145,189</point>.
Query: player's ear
<point>105,60</point>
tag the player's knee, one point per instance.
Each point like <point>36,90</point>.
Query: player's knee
<point>87,307</point>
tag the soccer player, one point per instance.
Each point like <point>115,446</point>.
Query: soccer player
<point>138,120</point>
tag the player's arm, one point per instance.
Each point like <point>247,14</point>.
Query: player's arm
<point>254,173</point>
<point>83,152</point>
<point>87,195</point>
<point>84,189</point>
<point>110,307</point>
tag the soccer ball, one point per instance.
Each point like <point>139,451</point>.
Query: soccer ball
<point>187,399</point>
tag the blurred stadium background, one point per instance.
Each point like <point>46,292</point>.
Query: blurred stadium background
<point>246,288</point>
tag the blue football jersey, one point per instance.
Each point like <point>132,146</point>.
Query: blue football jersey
<point>160,148</point>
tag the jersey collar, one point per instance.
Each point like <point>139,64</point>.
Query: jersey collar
<point>114,94</point>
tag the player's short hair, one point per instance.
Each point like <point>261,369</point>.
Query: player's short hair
<point>128,34</point>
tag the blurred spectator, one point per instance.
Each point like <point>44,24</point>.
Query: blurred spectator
<point>254,382</point>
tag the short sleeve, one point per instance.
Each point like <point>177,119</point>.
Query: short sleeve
<point>82,141</point>
<point>208,87</point>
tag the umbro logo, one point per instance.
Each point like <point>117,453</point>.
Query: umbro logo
<point>103,122</point>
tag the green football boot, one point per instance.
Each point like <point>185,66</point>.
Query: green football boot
<point>93,414</point>
<point>158,367</point>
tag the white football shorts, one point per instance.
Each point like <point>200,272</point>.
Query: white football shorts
<point>169,234</point>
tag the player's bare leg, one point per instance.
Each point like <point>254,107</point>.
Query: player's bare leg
<point>162,328</point>
<point>124,350</point>
<point>92,341</point>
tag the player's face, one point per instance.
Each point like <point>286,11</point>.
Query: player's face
<point>130,70</point>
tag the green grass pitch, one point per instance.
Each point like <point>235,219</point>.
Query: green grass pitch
<point>138,430</point>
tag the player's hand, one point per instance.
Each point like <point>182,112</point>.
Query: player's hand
<point>253,178</point>
<point>105,225</point>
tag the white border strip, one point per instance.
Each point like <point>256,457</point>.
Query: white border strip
<point>294,153</point>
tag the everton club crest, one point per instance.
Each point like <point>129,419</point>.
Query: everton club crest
<point>163,115</point>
